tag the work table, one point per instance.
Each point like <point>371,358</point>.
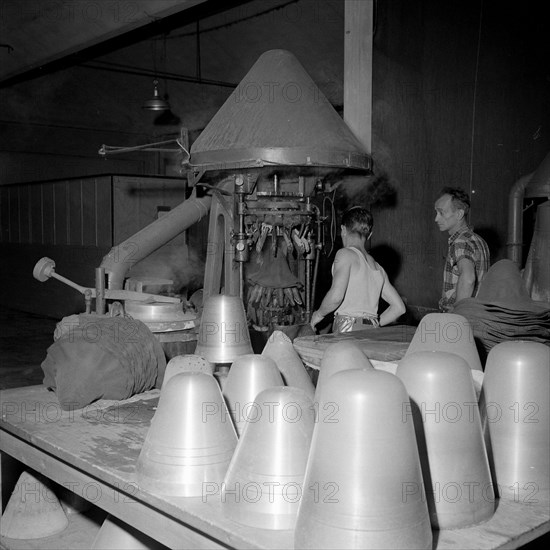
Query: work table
<point>93,452</point>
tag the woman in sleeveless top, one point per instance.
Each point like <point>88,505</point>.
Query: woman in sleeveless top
<point>358,281</point>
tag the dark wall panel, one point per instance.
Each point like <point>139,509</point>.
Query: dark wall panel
<point>24,214</point>
<point>36,220</point>
<point>48,213</point>
<point>459,92</point>
<point>13,216</point>
<point>103,219</point>
<point>56,211</point>
<point>74,208</point>
<point>61,213</point>
<point>89,213</point>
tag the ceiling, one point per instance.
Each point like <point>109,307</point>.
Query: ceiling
<point>38,36</point>
<point>198,54</point>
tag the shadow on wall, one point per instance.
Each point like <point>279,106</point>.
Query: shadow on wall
<point>388,258</point>
<point>391,260</point>
<point>494,242</point>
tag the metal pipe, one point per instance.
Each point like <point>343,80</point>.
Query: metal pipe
<point>318,247</point>
<point>241,243</point>
<point>308,290</point>
<point>126,69</point>
<point>314,283</point>
<point>241,248</point>
<point>67,282</point>
<point>515,219</point>
<point>100,290</point>
<point>124,255</point>
<point>88,300</point>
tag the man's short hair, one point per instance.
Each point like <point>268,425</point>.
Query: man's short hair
<point>358,220</point>
<point>459,198</point>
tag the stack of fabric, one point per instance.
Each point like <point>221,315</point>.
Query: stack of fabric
<point>99,357</point>
<point>503,309</point>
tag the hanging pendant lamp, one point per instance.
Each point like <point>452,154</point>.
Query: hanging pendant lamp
<point>157,103</point>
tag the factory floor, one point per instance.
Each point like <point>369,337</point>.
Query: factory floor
<point>24,339</point>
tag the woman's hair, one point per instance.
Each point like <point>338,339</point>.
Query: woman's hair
<point>358,220</point>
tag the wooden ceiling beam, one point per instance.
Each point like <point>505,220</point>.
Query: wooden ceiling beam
<point>358,46</point>
<point>34,63</point>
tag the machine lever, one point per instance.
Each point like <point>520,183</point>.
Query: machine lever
<point>288,240</point>
<point>263,235</point>
<point>45,268</point>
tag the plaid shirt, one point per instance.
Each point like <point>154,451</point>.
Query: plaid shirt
<point>464,243</point>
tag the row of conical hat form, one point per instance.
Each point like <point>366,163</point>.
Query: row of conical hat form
<point>376,460</point>
<point>194,433</point>
<point>246,447</point>
<point>514,402</point>
<point>367,460</point>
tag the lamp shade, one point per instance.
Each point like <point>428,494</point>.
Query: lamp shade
<point>156,103</point>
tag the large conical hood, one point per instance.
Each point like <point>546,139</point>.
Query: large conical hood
<point>277,115</point>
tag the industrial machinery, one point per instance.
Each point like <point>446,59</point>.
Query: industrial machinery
<point>264,240</point>
<point>536,188</point>
<point>268,157</point>
<point>260,170</point>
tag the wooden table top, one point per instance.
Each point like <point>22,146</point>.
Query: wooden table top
<point>105,439</point>
<point>381,344</point>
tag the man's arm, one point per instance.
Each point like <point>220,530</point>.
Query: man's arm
<point>466,279</point>
<point>396,306</point>
<point>337,291</point>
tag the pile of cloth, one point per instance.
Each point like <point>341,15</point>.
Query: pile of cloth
<point>99,357</point>
<point>503,309</point>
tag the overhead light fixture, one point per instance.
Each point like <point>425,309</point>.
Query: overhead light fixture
<point>157,103</point>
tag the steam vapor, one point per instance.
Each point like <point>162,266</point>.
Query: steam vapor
<point>369,191</point>
<point>180,264</point>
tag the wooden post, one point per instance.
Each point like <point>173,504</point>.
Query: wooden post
<point>358,42</point>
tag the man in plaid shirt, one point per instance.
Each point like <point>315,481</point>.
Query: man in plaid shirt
<point>468,254</point>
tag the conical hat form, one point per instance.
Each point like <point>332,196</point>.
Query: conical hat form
<point>115,534</point>
<point>186,363</point>
<point>363,474</point>
<point>515,408</point>
<point>448,332</point>
<point>33,511</point>
<point>345,355</point>
<point>248,376</point>
<point>504,286</point>
<point>191,439</point>
<point>264,482</point>
<point>279,347</point>
<point>446,418</point>
<point>223,333</point>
